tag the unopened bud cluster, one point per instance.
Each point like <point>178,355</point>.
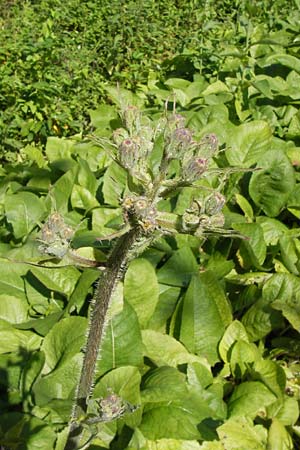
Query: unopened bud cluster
<point>55,236</point>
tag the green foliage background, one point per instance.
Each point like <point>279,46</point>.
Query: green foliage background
<point>209,345</point>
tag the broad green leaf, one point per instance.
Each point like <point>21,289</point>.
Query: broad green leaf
<point>286,410</point>
<point>261,319</point>
<point>234,332</point>
<point>242,354</point>
<point>248,143</point>
<point>82,198</point>
<point>141,289</point>
<point>60,383</point>
<point>164,384</point>
<point>212,445</point>
<point>289,254</point>
<point>283,291</point>
<point>168,296</point>
<point>125,382</point>
<point>62,279</point>
<point>13,340</point>
<point>63,341</point>
<point>249,399</point>
<point>278,437</point>
<point>271,187</point>
<point>272,229</point>
<point>101,218</point>
<point>282,58</point>
<point>239,433</point>
<point>23,211</point>
<point>57,148</point>
<point>11,281</point>
<point>172,444</point>
<point>169,422</point>
<point>179,269</point>
<point>122,342</point>
<point>103,115</point>
<point>62,190</point>
<point>205,315</point>
<point>13,309</point>
<point>82,288</point>
<point>245,206</point>
<point>199,374</point>
<point>163,349</point>
<point>271,374</point>
<point>254,249</point>
<point>19,429</point>
<point>114,182</point>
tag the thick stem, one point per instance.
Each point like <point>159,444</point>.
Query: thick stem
<point>103,294</point>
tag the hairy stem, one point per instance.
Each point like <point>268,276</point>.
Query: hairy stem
<point>103,294</point>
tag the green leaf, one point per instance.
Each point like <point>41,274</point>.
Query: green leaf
<point>253,250</point>
<point>278,437</point>
<point>11,281</point>
<point>286,410</point>
<point>141,289</point>
<point>24,429</point>
<point>164,384</point>
<point>82,198</point>
<point>171,422</point>
<point>114,182</point>
<point>166,350</point>
<point>282,58</point>
<point>242,354</point>
<point>205,315</point>
<point>234,332</point>
<point>62,190</point>
<point>283,292</point>
<point>13,340</point>
<point>23,210</point>
<point>178,270</point>
<point>239,433</point>
<point>249,399</point>
<point>102,116</point>
<point>168,296</point>
<point>62,279</point>
<point>261,319</point>
<point>272,229</point>
<point>60,383</point>
<point>101,218</point>
<point>271,374</point>
<point>13,309</point>
<point>57,148</point>
<point>245,206</point>
<point>271,187</point>
<point>122,343</point>
<point>248,143</point>
<point>63,341</point>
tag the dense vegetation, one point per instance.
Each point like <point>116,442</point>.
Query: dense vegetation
<point>202,343</point>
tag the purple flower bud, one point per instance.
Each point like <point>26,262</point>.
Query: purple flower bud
<point>182,136</point>
<point>214,203</point>
<point>128,153</point>
<point>194,169</point>
<point>208,146</point>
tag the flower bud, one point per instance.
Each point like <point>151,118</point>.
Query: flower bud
<point>128,153</point>
<point>119,135</point>
<point>194,169</point>
<point>176,121</point>
<point>208,146</point>
<point>131,118</point>
<point>217,221</point>
<point>214,203</point>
